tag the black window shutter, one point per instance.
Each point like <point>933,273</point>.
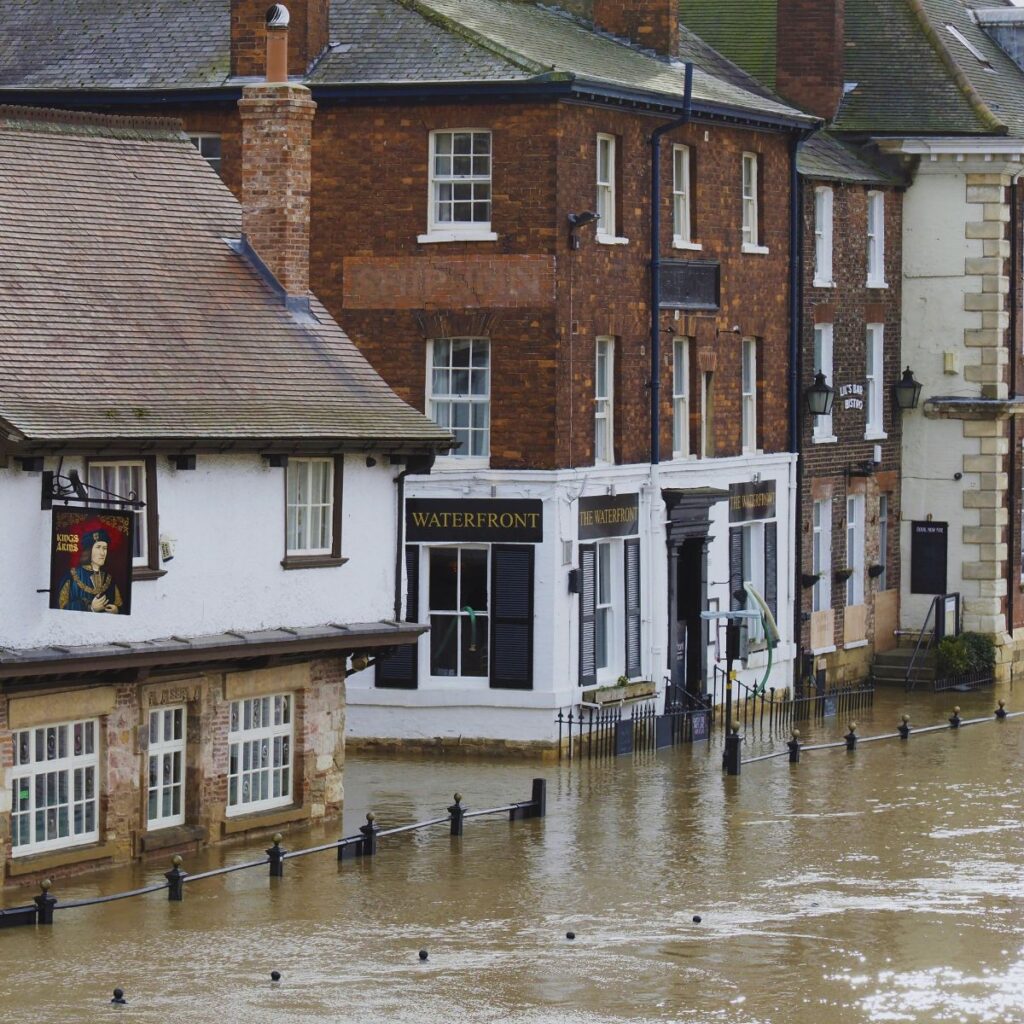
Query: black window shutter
<point>512,617</point>
<point>771,568</point>
<point>588,615</point>
<point>399,671</point>
<point>632,577</point>
<point>737,596</point>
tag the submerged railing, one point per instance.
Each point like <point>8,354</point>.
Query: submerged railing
<point>42,908</point>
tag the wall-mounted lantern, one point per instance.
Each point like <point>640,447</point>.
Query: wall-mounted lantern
<point>907,392</point>
<point>820,396</point>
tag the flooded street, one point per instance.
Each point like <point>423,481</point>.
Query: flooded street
<point>883,885</point>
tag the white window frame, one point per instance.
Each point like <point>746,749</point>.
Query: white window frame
<point>855,549</point>
<point>748,395</point>
<point>821,554</point>
<point>882,580</point>
<point>166,754</point>
<point>201,141</point>
<point>439,230</point>
<point>681,398</point>
<point>749,186</point>
<point>295,521</point>
<point>458,612</point>
<point>823,221</point>
<point>244,741</point>
<point>604,402</point>
<point>876,240</point>
<point>604,177</point>
<point>707,413</point>
<point>874,375</point>
<point>441,404</point>
<point>682,219</point>
<point>823,431</point>
<point>109,474</point>
<point>39,775</point>
<point>609,610</point>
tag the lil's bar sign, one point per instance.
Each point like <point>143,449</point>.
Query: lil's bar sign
<point>91,561</point>
<point>500,520</point>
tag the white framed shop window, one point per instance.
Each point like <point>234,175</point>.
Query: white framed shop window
<point>165,776</point>
<point>458,610</point>
<point>54,787</point>
<point>260,753</point>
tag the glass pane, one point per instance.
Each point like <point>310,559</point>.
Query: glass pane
<point>443,142</point>
<point>443,650</point>
<point>482,142</point>
<point>474,580</point>
<point>444,567</point>
<point>604,572</point>
<point>474,646</point>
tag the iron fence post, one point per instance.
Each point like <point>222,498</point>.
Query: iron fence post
<point>368,846</point>
<point>732,750</point>
<point>539,797</point>
<point>1001,709</point>
<point>794,747</point>
<point>456,812</point>
<point>954,719</point>
<point>45,903</point>
<point>276,857</point>
<point>851,737</point>
<point>904,727</point>
<point>175,880</point>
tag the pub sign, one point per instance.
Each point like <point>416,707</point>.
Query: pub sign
<point>750,501</point>
<point>91,560</point>
<point>494,520</point>
<point>609,516</point>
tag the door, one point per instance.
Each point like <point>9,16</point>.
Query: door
<point>690,663</point>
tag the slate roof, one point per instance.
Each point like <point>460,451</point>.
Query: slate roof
<point>825,158</point>
<point>184,44</point>
<point>912,75</point>
<point>125,314</point>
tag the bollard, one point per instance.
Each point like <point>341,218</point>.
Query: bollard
<point>732,749</point>
<point>368,847</point>
<point>794,747</point>
<point>456,812</point>
<point>1001,710</point>
<point>175,880</point>
<point>539,798</point>
<point>954,720</point>
<point>904,727</point>
<point>44,903</point>
<point>276,855</point>
<point>851,737</point>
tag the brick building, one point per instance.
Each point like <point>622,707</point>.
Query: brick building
<point>216,465</point>
<point>460,152</point>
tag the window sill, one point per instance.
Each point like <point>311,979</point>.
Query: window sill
<point>453,463</point>
<point>146,573</point>
<point>311,561</point>
<point>265,819</point>
<point>611,240</point>
<point>875,435</point>
<point>854,644</point>
<point>822,284</point>
<point>829,439</point>
<point>678,243</point>
<point>824,650</point>
<point>433,237</point>
<point>64,857</point>
<point>757,250</point>
<point>877,284</point>
<point>168,836</point>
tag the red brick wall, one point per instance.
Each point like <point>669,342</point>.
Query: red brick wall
<point>651,23</point>
<point>850,306</point>
<point>809,54</point>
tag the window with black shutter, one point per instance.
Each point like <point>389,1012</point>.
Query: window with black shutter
<point>737,595</point>
<point>398,671</point>
<point>771,568</point>
<point>588,615</point>
<point>632,577</point>
<point>512,617</point>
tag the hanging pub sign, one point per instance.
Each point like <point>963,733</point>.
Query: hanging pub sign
<point>749,501</point>
<point>497,520</point>
<point>91,560</point>
<point>609,516</point>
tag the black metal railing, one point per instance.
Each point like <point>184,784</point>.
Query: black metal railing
<point>43,906</point>
<point>938,631</point>
<point>967,681</point>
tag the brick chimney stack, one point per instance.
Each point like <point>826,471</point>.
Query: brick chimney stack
<point>650,23</point>
<point>277,135</point>
<point>307,39</point>
<point>809,54</point>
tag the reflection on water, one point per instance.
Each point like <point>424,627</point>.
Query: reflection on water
<point>883,885</point>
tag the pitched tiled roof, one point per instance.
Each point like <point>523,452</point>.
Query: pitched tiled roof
<point>824,157</point>
<point>908,74</point>
<point>124,313</point>
<point>161,44</point>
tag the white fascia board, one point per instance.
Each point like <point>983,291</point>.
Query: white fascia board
<point>984,146</point>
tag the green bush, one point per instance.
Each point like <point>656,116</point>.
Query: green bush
<point>963,654</point>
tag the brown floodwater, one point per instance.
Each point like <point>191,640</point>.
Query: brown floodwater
<point>883,885</point>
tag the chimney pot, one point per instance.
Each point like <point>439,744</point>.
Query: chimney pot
<point>277,43</point>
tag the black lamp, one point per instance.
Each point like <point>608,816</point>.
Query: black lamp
<point>820,396</point>
<point>907,392</point>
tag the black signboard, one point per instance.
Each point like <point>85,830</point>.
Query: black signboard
<point>606,516</point>
<point>831,707</point>
<point>701,721</point>
<point>91,561</point>
<point>749,501</point>
<point>501,520</point>
<point>624,737</point>
<point>928,550</point>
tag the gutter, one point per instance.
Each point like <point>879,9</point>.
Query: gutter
<point>656,263</point>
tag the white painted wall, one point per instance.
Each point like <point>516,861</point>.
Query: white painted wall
<point>452,709</point>
<point>227,520</point>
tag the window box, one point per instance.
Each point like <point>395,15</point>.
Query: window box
<point>874,571</point>
<point>617,693</point>
<point>808,579</point>
<point>757,250</point>
<point>842,575</point>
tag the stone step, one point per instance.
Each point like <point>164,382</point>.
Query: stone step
<point>903,656</point>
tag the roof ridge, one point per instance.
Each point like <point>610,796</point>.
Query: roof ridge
<point>44,117</point>
<point>425,11</point>
<point>985,113</point>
